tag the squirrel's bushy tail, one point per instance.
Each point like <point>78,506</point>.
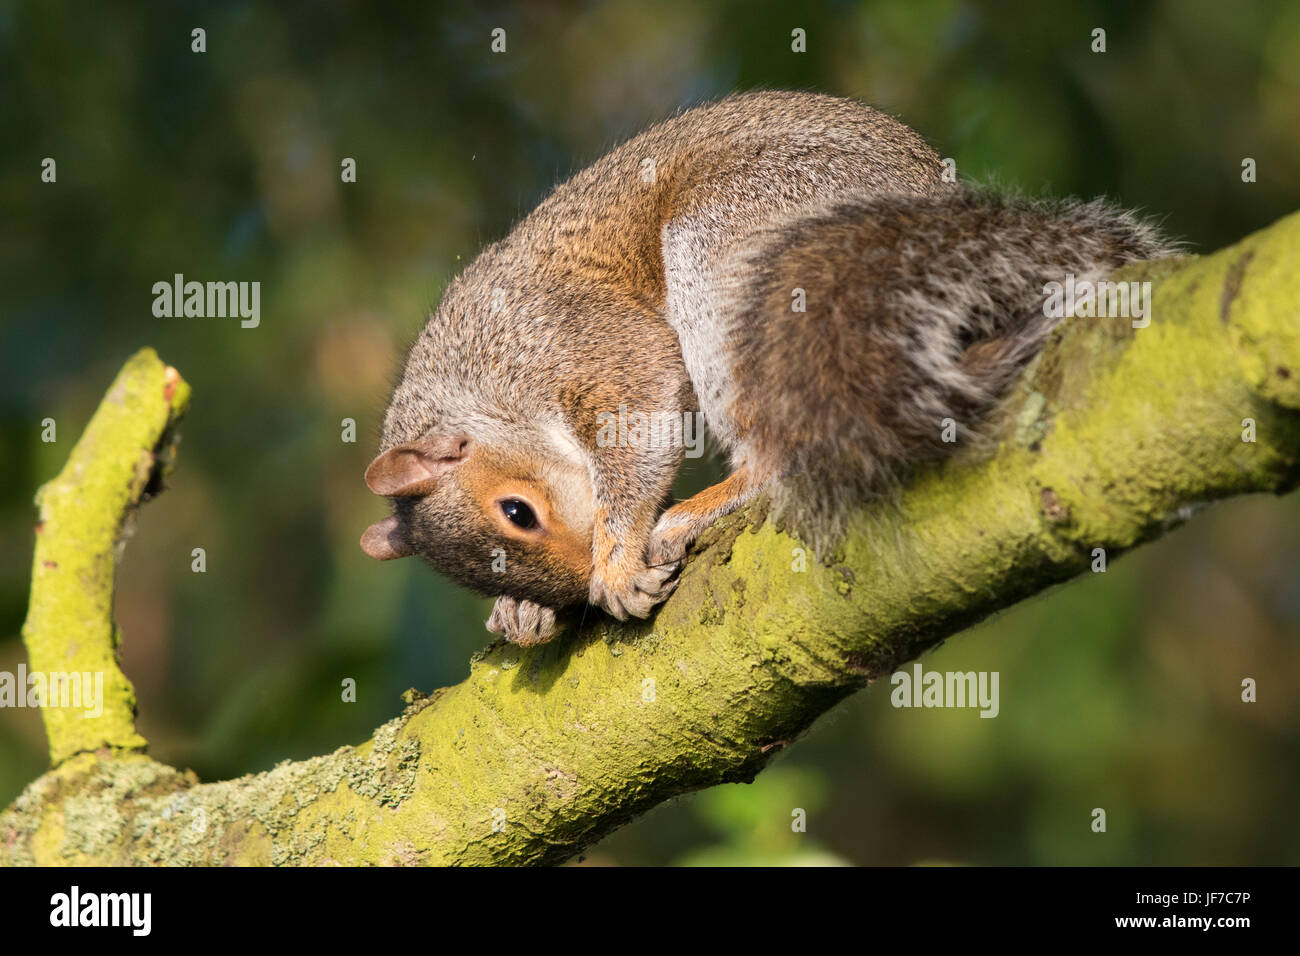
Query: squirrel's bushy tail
<point>918,314</point>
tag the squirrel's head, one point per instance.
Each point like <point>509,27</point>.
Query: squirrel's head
<point>496,523</point>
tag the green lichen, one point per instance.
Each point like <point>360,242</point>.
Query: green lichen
<point>82,515</point>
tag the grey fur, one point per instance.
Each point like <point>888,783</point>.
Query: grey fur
<point>674,293</point>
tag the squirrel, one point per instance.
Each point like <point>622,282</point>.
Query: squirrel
<point>663,279</point>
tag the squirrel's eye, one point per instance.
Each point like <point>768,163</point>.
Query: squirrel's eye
<point>518,513</point>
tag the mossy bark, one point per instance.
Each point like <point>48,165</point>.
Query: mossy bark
<point>1116,435</point>
<point>83,514</point>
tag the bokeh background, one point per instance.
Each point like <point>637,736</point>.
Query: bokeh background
<point>1121,690</point>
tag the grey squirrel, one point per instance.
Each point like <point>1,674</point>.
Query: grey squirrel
<point>662,279</point>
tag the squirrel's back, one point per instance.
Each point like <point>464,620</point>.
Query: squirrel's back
<point>621,250</point>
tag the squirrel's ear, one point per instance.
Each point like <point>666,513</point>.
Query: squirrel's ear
<point>407,469</point>
<point>385,540</point>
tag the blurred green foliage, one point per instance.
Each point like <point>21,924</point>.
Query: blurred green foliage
<point>1119,691</point>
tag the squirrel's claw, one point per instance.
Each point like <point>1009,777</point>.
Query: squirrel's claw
<point>638,593</point>
<point>522,622</point>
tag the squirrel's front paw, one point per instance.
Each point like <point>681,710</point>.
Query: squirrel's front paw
<point>522,622</point>
<point>636,592</point>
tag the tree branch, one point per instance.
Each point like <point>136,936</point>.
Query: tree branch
<point>84,515</point>
<point>1116,435</point>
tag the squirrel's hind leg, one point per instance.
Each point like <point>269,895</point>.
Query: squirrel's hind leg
<point>680,525</point>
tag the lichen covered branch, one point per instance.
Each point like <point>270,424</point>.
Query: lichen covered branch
<point>83,514</point>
